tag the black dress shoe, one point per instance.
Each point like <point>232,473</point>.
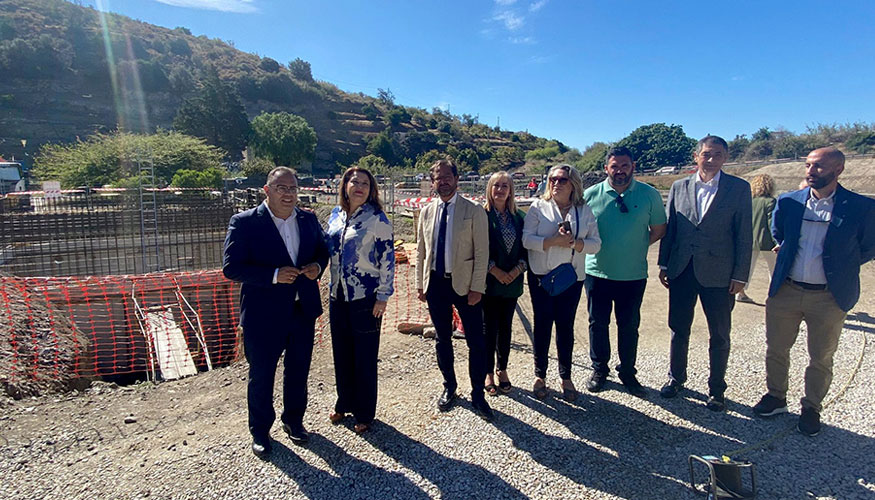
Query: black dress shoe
<point>482,409</point>
<point>716,403</point>
<point>671,389</point>
<point>634,387</point>
<point>596,382</point>
<point>261,448</point>
<point>297,434</point>
<point>447,399</point>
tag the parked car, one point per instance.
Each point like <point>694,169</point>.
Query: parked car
<point>667,171</point>
<point>518,175</point>
<point>471,176</point>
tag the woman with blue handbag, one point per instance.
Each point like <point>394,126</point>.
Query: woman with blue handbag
<point>558,231</point>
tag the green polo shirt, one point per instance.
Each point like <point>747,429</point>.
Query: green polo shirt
<point>625,236</point>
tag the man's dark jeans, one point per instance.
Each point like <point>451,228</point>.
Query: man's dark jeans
<point>624,297</point>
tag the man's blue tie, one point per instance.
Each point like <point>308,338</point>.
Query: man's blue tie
<point>440,266</point>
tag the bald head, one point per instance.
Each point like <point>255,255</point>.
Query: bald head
<point>830,155</point>
<point>822,169</point>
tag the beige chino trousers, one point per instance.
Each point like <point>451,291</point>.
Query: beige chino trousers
<point>824,318</point>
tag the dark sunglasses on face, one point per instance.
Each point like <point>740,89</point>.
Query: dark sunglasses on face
<point>622,205</point>
<point>559,180</point>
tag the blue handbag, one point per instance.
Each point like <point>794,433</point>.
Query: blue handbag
<point>563,276</point>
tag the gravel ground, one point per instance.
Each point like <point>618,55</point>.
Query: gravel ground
<point>188,438</point>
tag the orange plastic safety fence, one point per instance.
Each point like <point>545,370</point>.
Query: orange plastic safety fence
<point>63,328</point>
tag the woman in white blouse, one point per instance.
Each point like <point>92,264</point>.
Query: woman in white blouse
<point>558,229</point>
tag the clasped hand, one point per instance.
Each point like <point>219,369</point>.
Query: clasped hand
<point>505,277</point>
<point>289,274</point>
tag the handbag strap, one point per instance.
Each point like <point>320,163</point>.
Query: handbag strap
<point>576,230</point>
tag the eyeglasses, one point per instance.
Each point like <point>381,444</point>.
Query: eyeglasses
<point>622,205</point>
<point>283,189</point>
<point>364,184</point>
<point>559,180</point>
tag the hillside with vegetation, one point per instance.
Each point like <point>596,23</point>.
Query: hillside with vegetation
<point>73,76</point>
<point>70,72</point>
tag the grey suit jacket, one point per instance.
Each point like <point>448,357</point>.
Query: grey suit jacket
<point>470,246</point>
<point>720,243</point>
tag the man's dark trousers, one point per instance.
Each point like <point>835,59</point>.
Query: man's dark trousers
<point>441,298</point>
<point>263,350</point>
<point>717,304</point>
<point>624,297</point>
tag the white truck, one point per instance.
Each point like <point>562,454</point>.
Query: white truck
<point>11,177</point>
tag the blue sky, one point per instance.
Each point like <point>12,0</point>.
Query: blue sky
<point>575,70</point>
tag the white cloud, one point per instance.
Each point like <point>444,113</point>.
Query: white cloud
<point>238,6</point>
<point>505,2</point>
<point>541,59</point>
<point>522,40</point>
<point>535,7</point>
<point>510,19</point>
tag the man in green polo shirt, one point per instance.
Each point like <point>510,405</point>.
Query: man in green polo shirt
<point>630,217</point>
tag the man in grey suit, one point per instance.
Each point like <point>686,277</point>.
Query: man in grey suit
<point>705,254</point>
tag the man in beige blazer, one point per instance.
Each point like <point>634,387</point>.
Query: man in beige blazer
<point>451,263</point>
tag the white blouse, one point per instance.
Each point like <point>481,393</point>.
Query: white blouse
<point>542,221</point>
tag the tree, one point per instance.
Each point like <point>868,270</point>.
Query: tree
<point>113,159</point>
<point>301,69</point>
<point>861,142</point>
<point>593,157</point>
<point>269,65</point>
<point>386,97</point>
<point>370,111</point>
<point>181,80</point>
<point>208,178</point>
<point>468,159</point>
<point>216,114</point>
<point>738,146</point>
<point>543,153</point>
<point>763,134</point>
<point>659,145</point>
<point>283,138</point>
<point>375,164</point>
<point>395,117</point>
<point>383,145</point>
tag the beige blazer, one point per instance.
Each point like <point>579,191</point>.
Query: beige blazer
<point>470,246</point>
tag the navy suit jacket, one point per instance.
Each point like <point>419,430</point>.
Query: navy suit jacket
<point>254,249</point>
<point>849,242</point>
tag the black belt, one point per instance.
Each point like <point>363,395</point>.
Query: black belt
<point>808,286</point>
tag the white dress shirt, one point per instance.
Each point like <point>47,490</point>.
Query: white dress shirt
<point>288,229</point>
<point>448,249</point>
<point>808,265</point>
<point>705,192</point>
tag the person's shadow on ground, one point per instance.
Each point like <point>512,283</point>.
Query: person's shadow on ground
<point>455,479</point>
<point>631,468</point>
<point>614,463</point>
<point>354,478</point>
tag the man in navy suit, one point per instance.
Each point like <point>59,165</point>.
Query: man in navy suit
<point>824,234</point>
<point>277,251</point>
